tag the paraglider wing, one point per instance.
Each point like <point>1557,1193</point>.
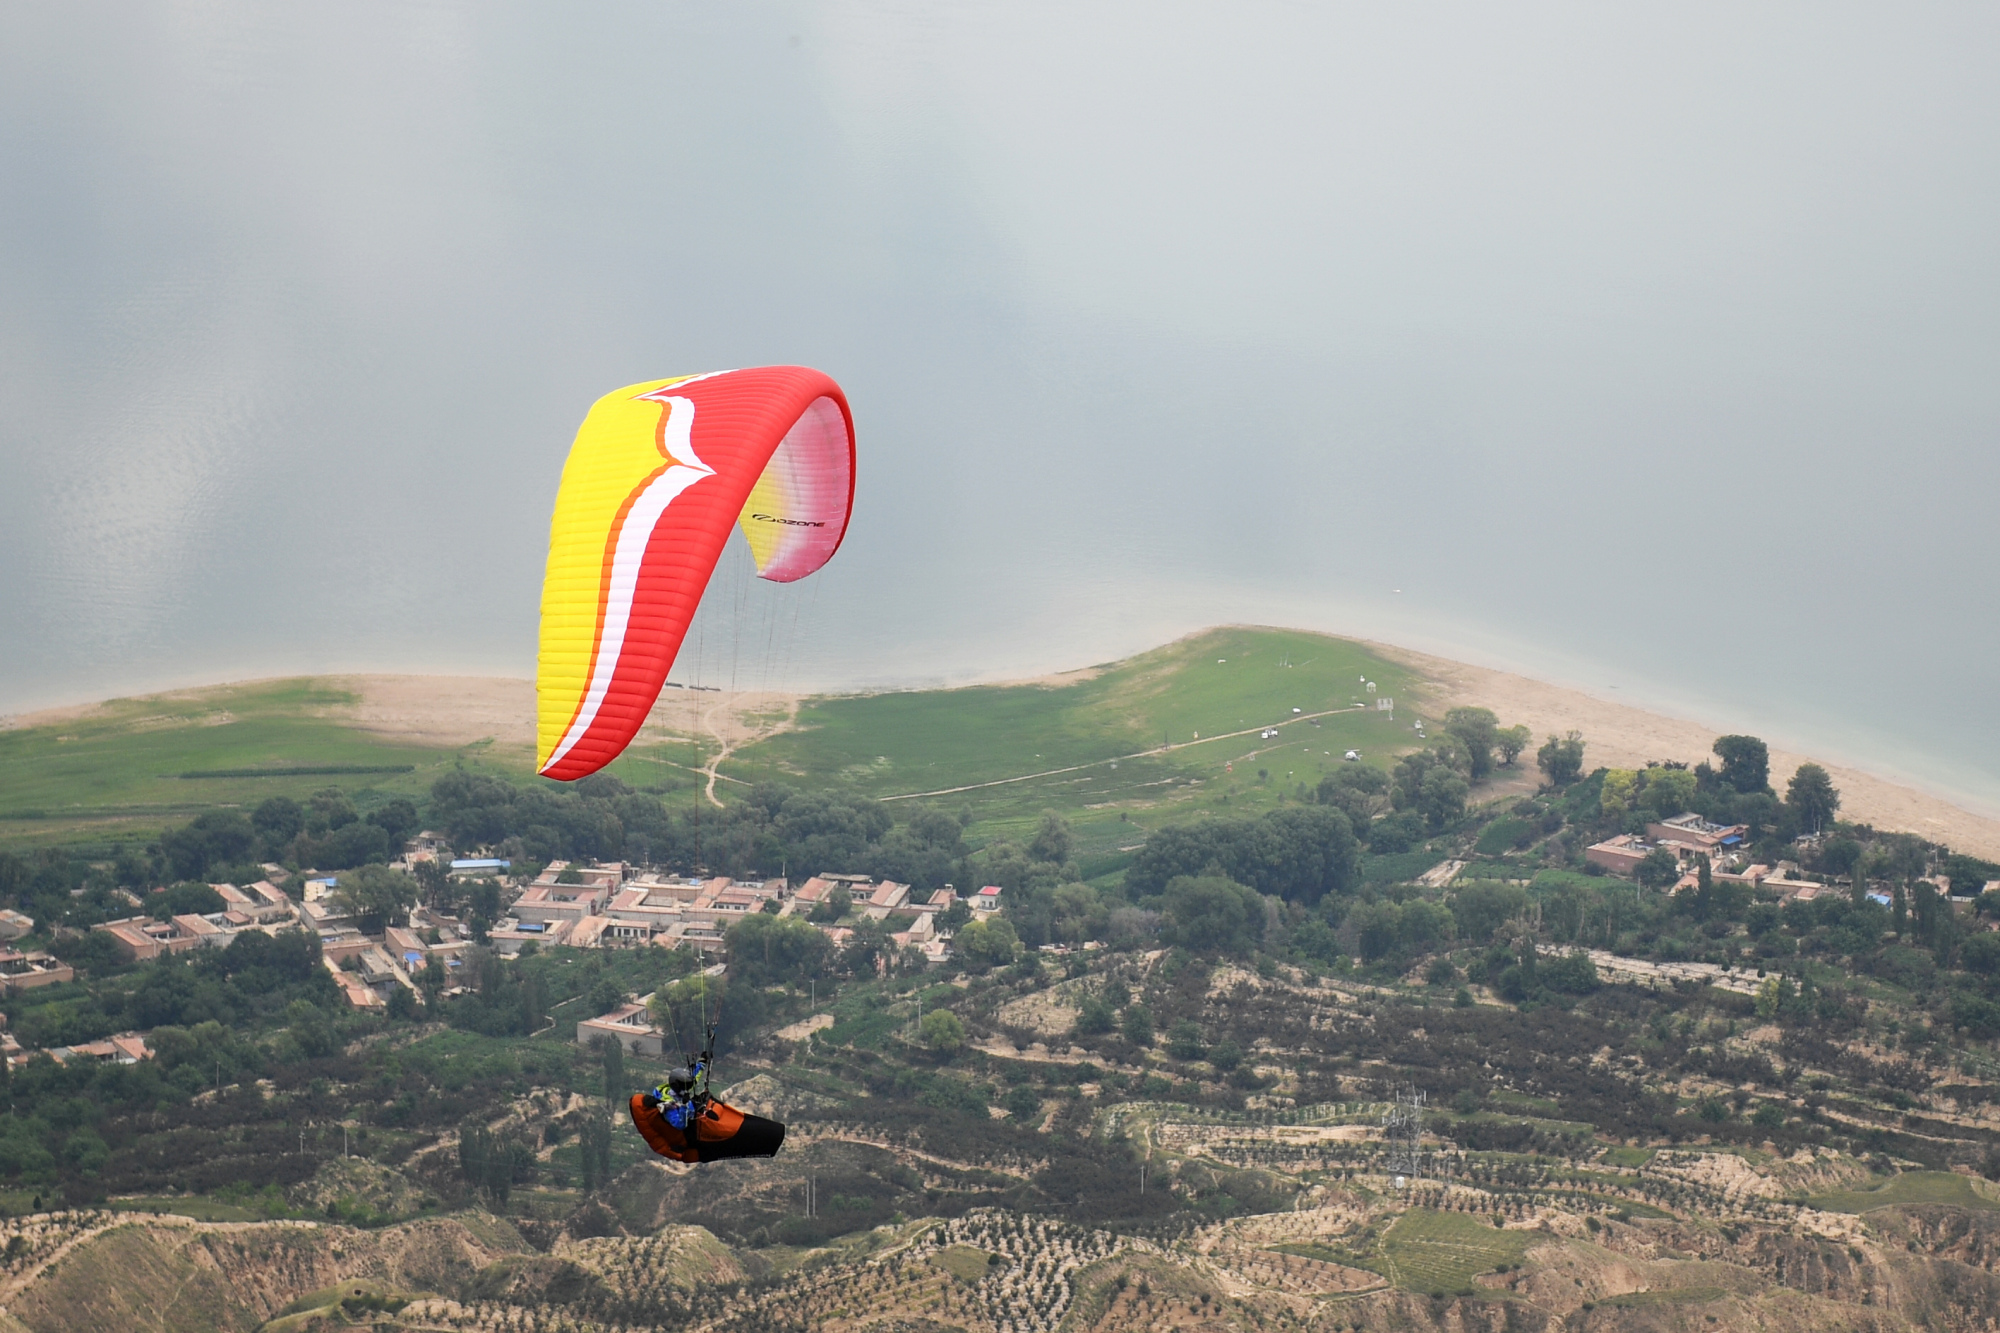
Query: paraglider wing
<point>658,474</point>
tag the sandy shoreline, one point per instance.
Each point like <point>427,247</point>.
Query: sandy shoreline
<point>461,710</point>
<point>1622,736</point>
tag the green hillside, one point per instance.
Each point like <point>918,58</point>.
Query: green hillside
<point>133,766</point>
<point>1097,741</point>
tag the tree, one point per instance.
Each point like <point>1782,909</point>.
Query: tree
<point>1184,1041</point>
<point>1138,1025</point>
<point>942,1031</point>
<point>398,820</point>
<point>1300,854</point>
<point>1571,974</point>
<point>278,819</point>
<point>1213,914</point>
<point>594,1154</point>
<point>1510,741</point>
<point>1021,1103</point>
<point>773,950</point>
<point>1658,870</point>
<point>1969,875</point>
<point>1441,799</point>
<point>683,1006</point>
<point>1357,791</point>
<point>1746,763</point>
<point>1811,797</point>
<point>1413,768</point>
<point>987,944</point>
<point>218,837</point>
<point>1561,760</point>
<point>1095,1017</point>
<point>434,882</point>
<point>1981,954</point>
<point>1052,840</point>
<point>1481,907</point>
<point>1377,928</point>
<point>377,894</point>
<point>432,980</point>
<point>1478,730</point>
<point>926,850</point>
<point>1074,912</point>
<point>1669,790</point>
<point>832,907</point>
<point>1303,853</point>
<point>189,899</point>
<point>482,908</point>
<point>611,1056</point>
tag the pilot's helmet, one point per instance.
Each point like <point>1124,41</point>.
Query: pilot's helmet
<point>681,1081</point>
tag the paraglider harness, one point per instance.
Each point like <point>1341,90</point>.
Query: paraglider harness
<point>682,1120</point>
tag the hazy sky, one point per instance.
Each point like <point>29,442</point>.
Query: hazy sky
<point>1647,346</point>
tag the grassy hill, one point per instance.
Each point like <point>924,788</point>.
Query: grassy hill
<point>1161,732</point>
<point>129,766</point>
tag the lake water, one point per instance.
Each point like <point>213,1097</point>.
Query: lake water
<point>1638,350</point>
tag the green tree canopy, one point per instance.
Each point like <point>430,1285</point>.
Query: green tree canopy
<point>1478,730</point>
<point>184,899</point>
<point>1746,763</point>
<point>987,944</point>
<point>1658,869</point>
<point>1483,906</point>
<point>767,950</point>
<point>1356,790</point>
<point>1811,797</point>
<point>1561,759</point>
<point>1213,914</point>
<point>1670,791</point>
<point>942,1031</point>
<point>377,893</point>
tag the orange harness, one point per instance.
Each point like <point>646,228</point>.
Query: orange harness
<point>716,1125</point>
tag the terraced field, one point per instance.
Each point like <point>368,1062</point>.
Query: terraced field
<point>1912,1187</point>
<point>1435,1252</point>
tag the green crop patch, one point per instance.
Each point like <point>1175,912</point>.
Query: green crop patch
<point>1428,1251</point>
<point>1633,1300</point>
<point>963,1262</point>
<point>1914,1187</point>
<point>1332,1254</point>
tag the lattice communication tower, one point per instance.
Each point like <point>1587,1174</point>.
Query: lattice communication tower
<point>1403,1128</point>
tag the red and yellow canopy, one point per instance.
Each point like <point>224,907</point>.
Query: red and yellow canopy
<point>657,476</point>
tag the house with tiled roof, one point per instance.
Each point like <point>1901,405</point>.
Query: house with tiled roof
<point>140,938</point>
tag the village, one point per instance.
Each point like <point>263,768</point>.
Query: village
<point>613,905</point>
<point>619,905</point>
<point>1689,840</point>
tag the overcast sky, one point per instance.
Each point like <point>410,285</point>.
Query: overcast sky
<point>1638,346</point>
